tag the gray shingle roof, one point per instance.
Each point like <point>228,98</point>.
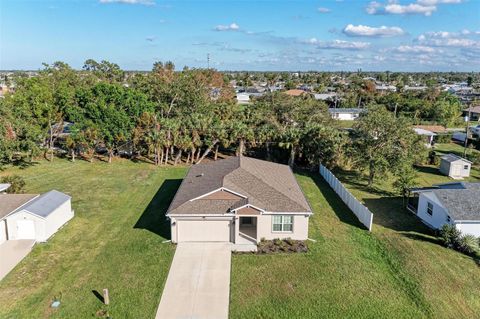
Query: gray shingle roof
<point>46,203</point>
<point>269,186</point>
<point>11,202</point>
<point>461,203</point>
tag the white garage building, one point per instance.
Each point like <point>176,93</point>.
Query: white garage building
<point>37,217</point>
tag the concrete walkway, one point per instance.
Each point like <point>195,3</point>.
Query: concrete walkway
<point>12,252</point>
<point>198,283</point>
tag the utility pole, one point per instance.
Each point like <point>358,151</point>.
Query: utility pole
<point>467,121</point>
<point>208,61</point>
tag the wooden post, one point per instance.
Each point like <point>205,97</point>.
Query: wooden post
<point>106,298</point>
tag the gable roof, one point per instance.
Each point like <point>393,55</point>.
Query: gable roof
<point>460,199</point>
<point>432,128</point>
<point>269,186</point>
<point>11,202</point>
<point>453,158</point>
<point>46,203</point>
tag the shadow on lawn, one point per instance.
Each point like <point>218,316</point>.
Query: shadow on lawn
<point>429,170</point>
<point>153,218</point>
<point>341,210</point>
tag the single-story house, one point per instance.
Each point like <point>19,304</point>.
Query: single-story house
<point>474,113</point>
<point>437,129</point>
<point>296,92</point>
<point>453,203</point>
<point>428,135</point>
<point>325,96</point>
<point>33,216</point>
<point>347,114</point>
<point>455,166</point>
<point>239,200</point>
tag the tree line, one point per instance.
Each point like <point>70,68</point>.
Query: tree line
<point>168,117</point>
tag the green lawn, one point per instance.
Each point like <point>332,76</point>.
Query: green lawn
<point>398,271</point>
<point>115,242</point>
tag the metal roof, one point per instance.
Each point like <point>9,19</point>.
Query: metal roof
<point>4,187</point>
<point>453,158</point>
<point>46,203</point>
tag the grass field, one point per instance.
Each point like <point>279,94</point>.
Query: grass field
<point>115,241</point>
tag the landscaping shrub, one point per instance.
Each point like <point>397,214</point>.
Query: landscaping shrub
<point>278,245</point>
<point>453,238</point>
<point>450,236</point>
<point>443,138</point>
<point>17,184</point>
<point>468,244</point>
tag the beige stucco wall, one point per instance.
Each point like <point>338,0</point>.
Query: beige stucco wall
<point>300,228</point>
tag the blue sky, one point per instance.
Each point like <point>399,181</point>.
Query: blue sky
<point>403,35</point>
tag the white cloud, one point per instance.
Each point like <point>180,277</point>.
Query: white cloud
<point>230,27</point>
<point>142,2</point>
<point>435,2</point>
<point>415,49</point>
<point>338,44</point>
<point>366,31</point>
<point>412,8</point>
<point>425,7</point>
<point>462,39</point>
<point>324,10</point>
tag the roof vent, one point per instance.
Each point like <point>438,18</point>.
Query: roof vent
<point>200,175</point>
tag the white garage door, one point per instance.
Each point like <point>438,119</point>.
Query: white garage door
<point>203,230</point>
<point>25,229</point>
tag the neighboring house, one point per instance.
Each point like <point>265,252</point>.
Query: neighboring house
<point>345,114</point>
<point>325,96</point>
<point>427,135</point>
<point>296,92</point>
<point>453,203</point>
<point>474,113</point>
<point>246,98</point>
<point>437,129</point>
<point>239,200</point>
<point>33,216</point>
<point>455,166</point>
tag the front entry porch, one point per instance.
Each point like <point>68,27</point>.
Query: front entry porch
<point>246,233</point>
<point>248,227</point>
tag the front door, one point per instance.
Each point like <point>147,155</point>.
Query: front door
<point>25,229</point>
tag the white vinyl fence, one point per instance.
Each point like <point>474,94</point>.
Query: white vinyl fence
<point>363,214</point>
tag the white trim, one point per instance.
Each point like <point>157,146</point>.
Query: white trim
<point>216,190</point>
<point>248,206</point>
<point>284,231</point>
<point>199,215</point>
<point>288,213</point>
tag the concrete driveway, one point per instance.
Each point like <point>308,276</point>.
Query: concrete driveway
<point>198,283</point>
<point>12,252</point>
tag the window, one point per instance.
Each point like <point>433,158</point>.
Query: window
<point>430,209</point>
<point>465,167</point>
<point>281,223</point>
<point>448,219</point>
